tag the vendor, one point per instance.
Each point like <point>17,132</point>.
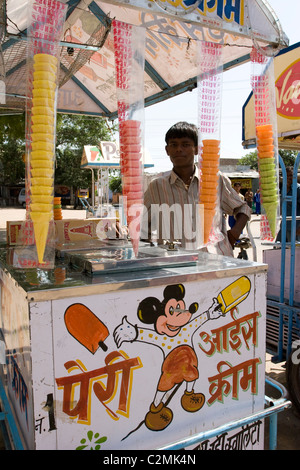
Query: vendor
<point>179,189</point>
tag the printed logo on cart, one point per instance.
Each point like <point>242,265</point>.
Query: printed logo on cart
<point>288,92</point>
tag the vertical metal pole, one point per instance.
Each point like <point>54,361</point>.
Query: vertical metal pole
<point>282,268</point>
<point>273,432</point>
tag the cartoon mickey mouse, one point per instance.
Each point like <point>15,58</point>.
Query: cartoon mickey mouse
<point>173,333</point>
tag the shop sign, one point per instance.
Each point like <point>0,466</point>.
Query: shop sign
<point>288,91</point>
<point>225,9</point>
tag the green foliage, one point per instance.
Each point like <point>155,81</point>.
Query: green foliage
<point>288,157</point>
<point>250,160</point>
<point>72,133</point>
<point>12,149</point>
<point>115,184</point>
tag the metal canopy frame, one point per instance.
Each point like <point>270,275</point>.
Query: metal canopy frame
<point>87,86</point>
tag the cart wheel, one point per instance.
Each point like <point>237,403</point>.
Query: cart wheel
<point>293,375</point>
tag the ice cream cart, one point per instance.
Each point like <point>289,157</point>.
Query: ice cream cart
<point>130,346</point>
<point>87,357</point>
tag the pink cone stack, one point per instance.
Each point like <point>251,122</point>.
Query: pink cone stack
<point>132,176</point>
<point>209,182</point>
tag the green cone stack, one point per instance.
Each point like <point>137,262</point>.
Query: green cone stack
<point>266,166</point>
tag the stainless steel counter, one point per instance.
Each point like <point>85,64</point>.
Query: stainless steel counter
<point>42,284</point>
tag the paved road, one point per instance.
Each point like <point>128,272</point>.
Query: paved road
<point>288,429</point>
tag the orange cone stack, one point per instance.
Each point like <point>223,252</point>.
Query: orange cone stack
<point>57,208</point>
<point>266,166</point>
<point>132,176</point>
<point>209,182</point>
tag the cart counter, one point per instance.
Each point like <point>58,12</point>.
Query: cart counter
<point>137,355</point>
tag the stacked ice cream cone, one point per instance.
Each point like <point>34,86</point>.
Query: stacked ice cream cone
<point>209,182</point>
<point>57,212</point>
<point>132,176</point>
<point>42,147</point>
<point>266,166</point>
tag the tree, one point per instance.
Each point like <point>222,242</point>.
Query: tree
<point>251,160</point>
<point>115,184</point>
<point>12,149</point>
<point>72,133</point>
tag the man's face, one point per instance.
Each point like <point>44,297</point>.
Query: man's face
<point>182,152</point>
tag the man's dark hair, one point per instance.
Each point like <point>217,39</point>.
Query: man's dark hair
<point>182,129</point>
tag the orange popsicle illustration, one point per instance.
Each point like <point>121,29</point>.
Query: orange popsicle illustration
<point>85,327</point>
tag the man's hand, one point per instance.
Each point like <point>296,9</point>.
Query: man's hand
<point>231,238</point>
<point>234,233</point>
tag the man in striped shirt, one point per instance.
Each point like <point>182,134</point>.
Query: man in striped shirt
<point>171,201</point>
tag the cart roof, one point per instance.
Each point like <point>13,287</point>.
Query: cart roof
<point>87,72</point>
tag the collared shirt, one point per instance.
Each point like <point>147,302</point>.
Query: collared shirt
<point>171,211</point>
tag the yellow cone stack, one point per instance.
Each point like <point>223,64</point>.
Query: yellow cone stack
<point>42,148</point>
<point>266,166</point>
<point>209,182</point>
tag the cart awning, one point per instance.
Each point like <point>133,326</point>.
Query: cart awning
<point>87,71</point>
<point>287,86</point>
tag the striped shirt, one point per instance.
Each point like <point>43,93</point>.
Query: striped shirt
<point>171,212</point>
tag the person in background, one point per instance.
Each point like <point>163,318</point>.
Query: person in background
<point>289,182</point>
<point>181,186</point>
<point>249,197</point>
<point>237,187</point>
<point>257,201</point>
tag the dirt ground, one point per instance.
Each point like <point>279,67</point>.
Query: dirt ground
<point>288,426</point>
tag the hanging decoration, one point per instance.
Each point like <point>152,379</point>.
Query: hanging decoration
<point>263,86</point>
<point>129,45</point>
<point>210,73</point>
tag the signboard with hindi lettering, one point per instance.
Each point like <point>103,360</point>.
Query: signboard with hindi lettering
<point>141,368</point>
